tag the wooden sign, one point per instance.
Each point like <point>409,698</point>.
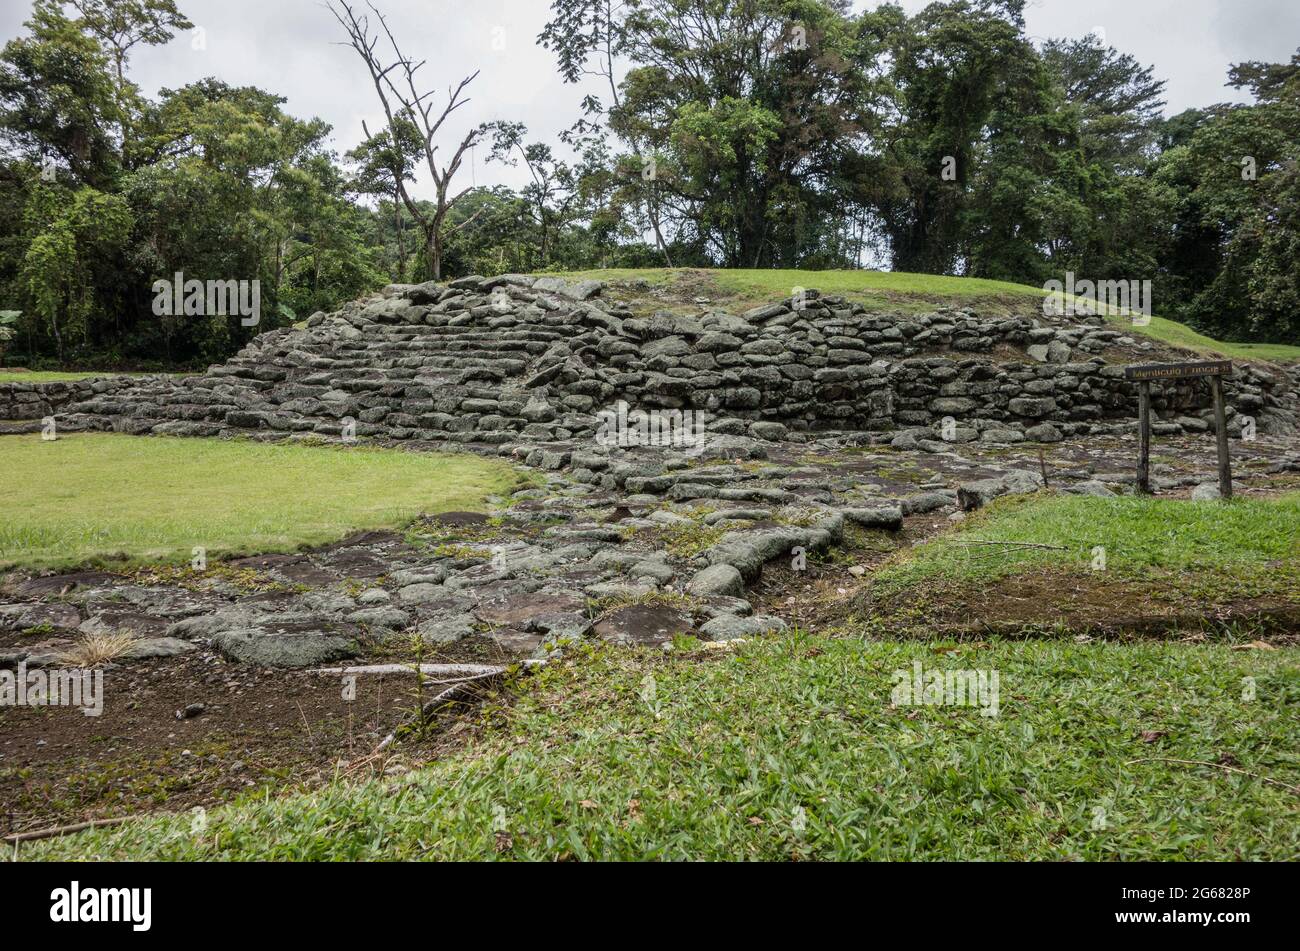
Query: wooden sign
<point>1144,374</point>
<point>1178,371</point>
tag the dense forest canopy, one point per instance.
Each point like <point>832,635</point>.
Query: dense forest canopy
<point>726,133</point>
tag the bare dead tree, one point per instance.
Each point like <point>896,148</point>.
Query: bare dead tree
<point>396,84</point>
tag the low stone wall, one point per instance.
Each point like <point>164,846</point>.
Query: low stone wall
<point>28,401</point>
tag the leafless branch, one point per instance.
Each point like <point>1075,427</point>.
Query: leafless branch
<point>396,84</point>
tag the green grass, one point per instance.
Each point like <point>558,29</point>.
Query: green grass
<point>85,498</point>
<point>42,376</point>
<point>790,748</point>
<point>651,275</point>
<point>1180,335</point>
<point>56,376</point>
<point>1140,536</point>
<point>777,283</point>
<point>774,284</point>
<point>910,292</point>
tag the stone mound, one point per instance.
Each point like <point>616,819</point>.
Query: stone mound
<point>515,360</point>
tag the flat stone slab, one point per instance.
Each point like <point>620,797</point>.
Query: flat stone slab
<point>719,579</point>
<point>520,610</point>
<point>159,647</point>
<point>728,627</point>
<point>307,573</point>
<point>457,519</point>
<point>134,622</point>
<point>57,584</point>
<point>23,616</point>
<point>515,641</point>
<point>356,564</point>
<point>255,646</point>
<point>646,625</point>
<point>447,628</point>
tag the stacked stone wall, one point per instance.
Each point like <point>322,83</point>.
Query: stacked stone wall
<point>511,359</point>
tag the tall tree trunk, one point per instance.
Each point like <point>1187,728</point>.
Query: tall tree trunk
<point>58,337</point>
<point>433,251</point>
<point>401,241</point>
<point>652,206</point>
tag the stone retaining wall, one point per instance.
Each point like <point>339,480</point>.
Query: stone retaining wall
<point>28,401</point>
<point>509,360</point>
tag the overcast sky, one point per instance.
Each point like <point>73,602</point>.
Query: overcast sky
<point>290,47</point>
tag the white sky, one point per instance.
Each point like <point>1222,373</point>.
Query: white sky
<point>288,47</point>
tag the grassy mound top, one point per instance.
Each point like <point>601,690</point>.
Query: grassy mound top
<point>890,290</point>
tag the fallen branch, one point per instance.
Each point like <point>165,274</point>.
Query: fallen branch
<point>1222,766</point>
<point>450,695</point>
<point>62,830</point>
<point>455,671</point>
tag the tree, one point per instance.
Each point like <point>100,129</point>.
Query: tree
<point>587,36</point>
<point>120,26</point>
<point>216,181</point>
<point>56,99</point>
<point>383,165</point>
<point>8,330</point>
<point>404,103</point>
<point>494,233</point>
<point>744,120</point>
<point>955,102</point>
<point>73,244</point>
<point>552,194</point>
<point>1236,229</point>
<point>245,191</point>
<point>1118,100</point>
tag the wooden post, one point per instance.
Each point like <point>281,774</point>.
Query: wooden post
<point>1144,438</point>
<point>1143,375</point>
<point>1221,430</point>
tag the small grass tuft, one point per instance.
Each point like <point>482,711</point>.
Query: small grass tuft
<point>100,648</point>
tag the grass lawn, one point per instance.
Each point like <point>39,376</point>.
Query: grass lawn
<point>57,376</point>
<point>43,376</point>
<point>1180,335</point>
<point>88,498</point>
<point>1124,567</point>
<point>1139,535</point>
<point>906,292</point>
<point>778,283</point>
<point>790,748</point>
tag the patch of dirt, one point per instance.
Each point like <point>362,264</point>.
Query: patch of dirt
<point>258,729</point>
<point>815,598</point>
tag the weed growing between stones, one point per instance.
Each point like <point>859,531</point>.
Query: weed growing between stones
<point>98,648</point>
